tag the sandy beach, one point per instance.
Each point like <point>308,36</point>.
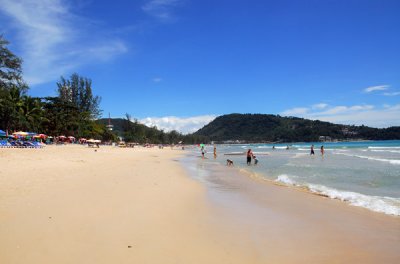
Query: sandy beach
<point>73,204</point>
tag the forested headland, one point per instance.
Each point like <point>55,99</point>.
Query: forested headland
<point>275,128</point>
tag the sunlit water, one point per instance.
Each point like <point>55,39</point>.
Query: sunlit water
<point>365,174</point>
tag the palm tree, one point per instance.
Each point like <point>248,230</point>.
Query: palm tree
<point>31,114</point>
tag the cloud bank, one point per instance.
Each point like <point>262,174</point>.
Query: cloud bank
<point>181,124</point>
<point>370,115</point>
<point>53,41</point>
<point>376,88</point>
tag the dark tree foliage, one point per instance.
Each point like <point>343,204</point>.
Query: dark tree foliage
<point>10,69</point>
<point>132,131</point>
<point>12,88</point>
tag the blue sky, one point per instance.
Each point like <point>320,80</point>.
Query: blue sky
<point>179,63</point>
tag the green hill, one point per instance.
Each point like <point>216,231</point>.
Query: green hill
<point>274,128</point>
<point>136,132</point>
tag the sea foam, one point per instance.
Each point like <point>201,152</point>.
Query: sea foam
<point>391,161</point>
<point>285,179</point>
<point>387,205</point>
<point>384,147</point>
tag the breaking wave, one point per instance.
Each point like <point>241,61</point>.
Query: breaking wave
<point>387,205</point>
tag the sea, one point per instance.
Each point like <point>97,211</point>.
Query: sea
<point>360,173</point>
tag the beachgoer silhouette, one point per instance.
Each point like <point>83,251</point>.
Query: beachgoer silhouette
<point>249,155</point>
<point>312,150</point>
<point>215,152</point>
<point>322,150</point>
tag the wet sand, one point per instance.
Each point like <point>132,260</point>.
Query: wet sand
<point>288,225</point>
<point>72,204</point>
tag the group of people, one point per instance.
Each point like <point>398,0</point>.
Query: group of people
<point>250,156</point>
<point>203,151</point>
<point>313,153</point>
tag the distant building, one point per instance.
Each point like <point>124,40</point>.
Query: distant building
<point>109,126</point>
<point>348,132</point>
<point>325,138</point>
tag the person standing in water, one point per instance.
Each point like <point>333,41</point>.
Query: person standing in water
<point>249,155</point>
<point>322,150</point>
<point>215,152</point>
<point>312,150</point>
<point>202,152</point>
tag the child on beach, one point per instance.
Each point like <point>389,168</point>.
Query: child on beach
<point>255,160</point>
<point>312,150</point>
<point>322,150</point>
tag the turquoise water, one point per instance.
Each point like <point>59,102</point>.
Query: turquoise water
<point>365,174</point>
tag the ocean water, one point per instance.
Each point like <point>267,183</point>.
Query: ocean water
<point>365,174</point>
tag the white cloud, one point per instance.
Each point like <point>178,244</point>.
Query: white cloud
<point>295,111</point>
<point>161,9</point>
<point>376,88</point>
<point>53,41</point>
<point>369,115</point>
<point>157,79</point>
<point>335,110</point>
<point>181,124</point>
<point>391,93</point>
<point>320,106</point>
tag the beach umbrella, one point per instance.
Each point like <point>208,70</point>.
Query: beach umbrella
<point>40,136</point>
<point>21,134</point>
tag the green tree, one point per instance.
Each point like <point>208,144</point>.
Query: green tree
<point>12,86</point>
<point>10,68</point>
<point>31,114</point>
<point>78,92</point>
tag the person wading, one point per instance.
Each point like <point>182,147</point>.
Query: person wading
<point>249,155</point>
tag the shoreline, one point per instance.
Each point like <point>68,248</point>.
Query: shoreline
<point>312,227</point>
<point>71,204</point>
<point>306,189</point>
<point>360,178</point>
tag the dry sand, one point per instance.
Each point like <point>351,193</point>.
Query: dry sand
<point>72,204</point>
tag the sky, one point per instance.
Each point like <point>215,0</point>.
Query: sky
<point>178,64</point>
